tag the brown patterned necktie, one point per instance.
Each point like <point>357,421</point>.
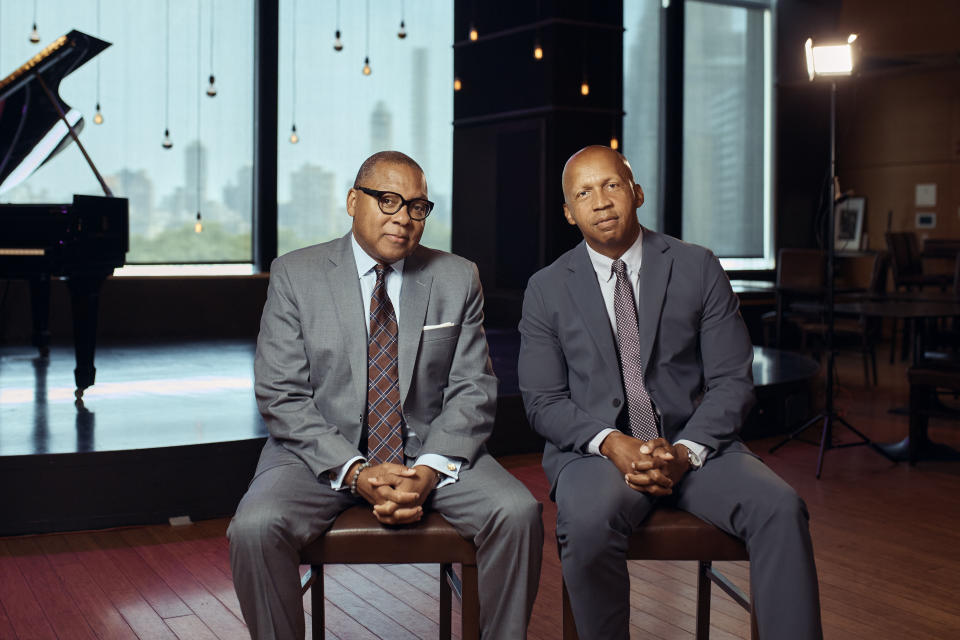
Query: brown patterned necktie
<point>384,438</point>
<point>643,424</point>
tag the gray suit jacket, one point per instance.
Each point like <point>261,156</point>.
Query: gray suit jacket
<point>311,363</point>
<point>695,350</point>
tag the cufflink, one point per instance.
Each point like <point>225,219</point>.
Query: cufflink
<point>451,466</point>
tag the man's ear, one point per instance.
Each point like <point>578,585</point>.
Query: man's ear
<point>637,196</point>
<point>568,215</point>
<point>351,202</point>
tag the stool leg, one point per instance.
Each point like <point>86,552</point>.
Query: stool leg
<point>569,624</point>
<point>703,600</point>
<point>317,603</point>
<point>470,604</point>
<point>446,602</point>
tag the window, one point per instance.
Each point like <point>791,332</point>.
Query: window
<point>727,132</point>
<point>208,167</point>
<point>727,122</point>
<point>343,116</point>
<point>641,90</point>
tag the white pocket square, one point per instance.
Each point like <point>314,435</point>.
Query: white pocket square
<point>428,327</point>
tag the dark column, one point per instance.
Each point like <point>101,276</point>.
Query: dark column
<point>516,121</point>
<point>266,38</point>
<point>671,177</point>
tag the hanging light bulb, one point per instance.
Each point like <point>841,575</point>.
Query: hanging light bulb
<point>584,88</point>
<point>337,42</point>
<point>211,88</point>
<point>97,116</point>
<point>614,143</point>
<point>366,66</point>
<point>294,138</point>
<point>403,31</point>
<point>167,141</point>
<point>537,51</point>
<point>34,34</point>
<point>198,226</point>
<point>473,33</point>
<point>457,85</point>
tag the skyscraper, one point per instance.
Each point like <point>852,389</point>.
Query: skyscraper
<point>381,128</point>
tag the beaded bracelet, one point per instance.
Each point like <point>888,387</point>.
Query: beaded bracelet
<point>356,477</point>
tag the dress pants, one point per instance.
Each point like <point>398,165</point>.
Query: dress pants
<point>734,491</point>
<point>286,507</point>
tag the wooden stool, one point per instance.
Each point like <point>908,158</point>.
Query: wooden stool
<point>672,534</point>
<point>357,538</point>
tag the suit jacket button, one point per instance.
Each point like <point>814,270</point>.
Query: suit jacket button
<point>616,402</point>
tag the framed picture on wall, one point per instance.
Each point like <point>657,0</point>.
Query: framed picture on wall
<point>848,218</point>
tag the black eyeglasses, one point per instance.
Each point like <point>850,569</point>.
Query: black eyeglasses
<point>390,203</point>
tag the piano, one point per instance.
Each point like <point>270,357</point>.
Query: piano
<point>82,241</point>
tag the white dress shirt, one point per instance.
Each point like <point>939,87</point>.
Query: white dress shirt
<point>448,468</point>
<point>633,258</point>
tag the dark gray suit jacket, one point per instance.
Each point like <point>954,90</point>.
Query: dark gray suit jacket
<point>311,363</point>
<point>695,350</point>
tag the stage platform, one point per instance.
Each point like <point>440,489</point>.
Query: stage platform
<point>168,430</point>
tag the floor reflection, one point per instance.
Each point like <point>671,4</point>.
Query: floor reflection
<point>146,396</point>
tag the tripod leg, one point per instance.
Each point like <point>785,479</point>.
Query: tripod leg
<point>865,440</point>
<point>824,441</point>
<point>793,434</point>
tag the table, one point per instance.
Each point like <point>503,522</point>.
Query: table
<point>782,384</point>
<point>907,309</point>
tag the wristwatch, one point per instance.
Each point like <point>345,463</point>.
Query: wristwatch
<point>694,459</point>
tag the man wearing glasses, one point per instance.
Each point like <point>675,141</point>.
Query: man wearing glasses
<point>373,376</point>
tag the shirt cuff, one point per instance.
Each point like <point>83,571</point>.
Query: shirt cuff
<point>698,450</point>
<point>448,468</point>
<point>337,483</point>
<point>594,445</point>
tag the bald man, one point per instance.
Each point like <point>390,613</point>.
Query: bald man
<point>635,366</point>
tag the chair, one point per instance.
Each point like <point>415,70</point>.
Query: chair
<point>801,275</point>
<point>907,264</point>
<point>357,538</point>
<point>863,332</point>
<point>672,534</point>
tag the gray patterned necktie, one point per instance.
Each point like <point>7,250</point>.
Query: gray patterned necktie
<point>643,424</point>
<point>384,437</point>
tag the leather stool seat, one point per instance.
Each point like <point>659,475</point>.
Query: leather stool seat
<point>672,534</point>
<point>356,537</point>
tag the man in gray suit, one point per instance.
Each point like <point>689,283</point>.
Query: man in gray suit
<point>641,403</point>
<point>387,409</point>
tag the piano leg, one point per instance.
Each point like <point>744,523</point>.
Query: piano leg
<point>40,311</point>
<point>85,299</point>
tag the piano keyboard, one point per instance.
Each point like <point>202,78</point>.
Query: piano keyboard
<point>16,251</point>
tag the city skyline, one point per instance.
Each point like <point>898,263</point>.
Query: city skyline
<point>409,84</point>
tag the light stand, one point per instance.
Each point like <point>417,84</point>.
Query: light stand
<point>829,415</point>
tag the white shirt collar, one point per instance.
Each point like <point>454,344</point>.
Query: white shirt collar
<point>365,263</point>
<point>604,265</point>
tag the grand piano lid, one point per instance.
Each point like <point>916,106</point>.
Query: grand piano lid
<point>31,130</point>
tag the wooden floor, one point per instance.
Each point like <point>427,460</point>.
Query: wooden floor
<point>886,540</point>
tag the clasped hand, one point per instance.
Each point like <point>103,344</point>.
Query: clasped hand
<point>653,466</point>
<point>396,492</point>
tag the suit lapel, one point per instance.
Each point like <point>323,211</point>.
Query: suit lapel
<point>350,309</point>
<point>414,296</point>
<point>585,292</point>
<point>654,276</point>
